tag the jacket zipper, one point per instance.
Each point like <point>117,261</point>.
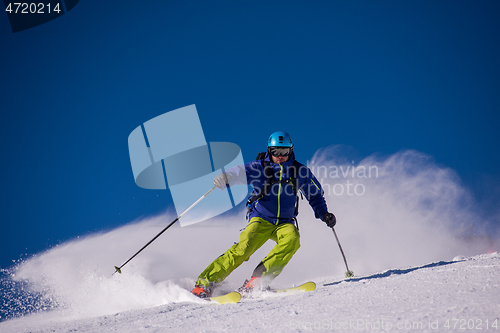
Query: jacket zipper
<point>279,194</point>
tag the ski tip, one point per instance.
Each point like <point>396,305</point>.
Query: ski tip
<point>308,286</point>
<point>232,297</point>
<point>117,269</point>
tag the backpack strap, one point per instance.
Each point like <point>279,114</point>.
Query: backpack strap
<point>268,172</point>
<point>294,180</point>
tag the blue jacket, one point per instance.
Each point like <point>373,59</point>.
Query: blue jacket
<point>279,205</point>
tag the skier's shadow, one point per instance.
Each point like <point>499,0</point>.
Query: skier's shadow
<point>394,272</point>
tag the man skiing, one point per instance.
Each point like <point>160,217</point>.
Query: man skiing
<point>272,209</point>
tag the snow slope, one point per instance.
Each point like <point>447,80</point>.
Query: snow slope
<point>391,223</point>
<point>457,295</point>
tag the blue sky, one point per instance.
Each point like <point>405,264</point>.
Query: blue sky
<point>377,76</point>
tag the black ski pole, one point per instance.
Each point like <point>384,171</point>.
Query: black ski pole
<point>119,269</point>
<point>349,273</point>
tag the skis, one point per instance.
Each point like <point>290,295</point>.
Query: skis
<point>308,286</point>
<point>235,297</point>
<point>232,297</point>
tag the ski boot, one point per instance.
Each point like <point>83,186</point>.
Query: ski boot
<point>254,284</point>
<point>201,291</point>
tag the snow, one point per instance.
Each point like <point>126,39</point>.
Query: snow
<point>423,256</point>
<point>460,292</point>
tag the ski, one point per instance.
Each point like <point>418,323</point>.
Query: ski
<point>232,297</point>
<point>308,286</point>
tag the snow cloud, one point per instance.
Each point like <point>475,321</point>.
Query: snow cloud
<point>396,211</point>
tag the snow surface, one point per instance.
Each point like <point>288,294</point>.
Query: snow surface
<point>463,293</point>
<point>401,232</point>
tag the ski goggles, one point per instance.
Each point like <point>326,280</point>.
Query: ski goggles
<point>281,151</point>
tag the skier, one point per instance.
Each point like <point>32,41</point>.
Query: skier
<point>272,209</point>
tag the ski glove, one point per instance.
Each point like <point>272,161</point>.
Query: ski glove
<point>329,219</point>
<point>221,180</point>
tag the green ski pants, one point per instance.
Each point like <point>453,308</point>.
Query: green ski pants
<point>257,232</point>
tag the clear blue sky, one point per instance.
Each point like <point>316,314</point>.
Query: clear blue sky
<point>378,76</point>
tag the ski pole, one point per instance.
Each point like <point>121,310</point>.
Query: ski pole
<point>119,269</point>
<point>349,273</point>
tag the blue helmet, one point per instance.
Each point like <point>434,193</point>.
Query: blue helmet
<point>280,139</point>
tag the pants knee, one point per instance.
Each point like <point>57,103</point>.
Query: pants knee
<point>290,241</point>
<point>240,252</point>
<point>294,244</point>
